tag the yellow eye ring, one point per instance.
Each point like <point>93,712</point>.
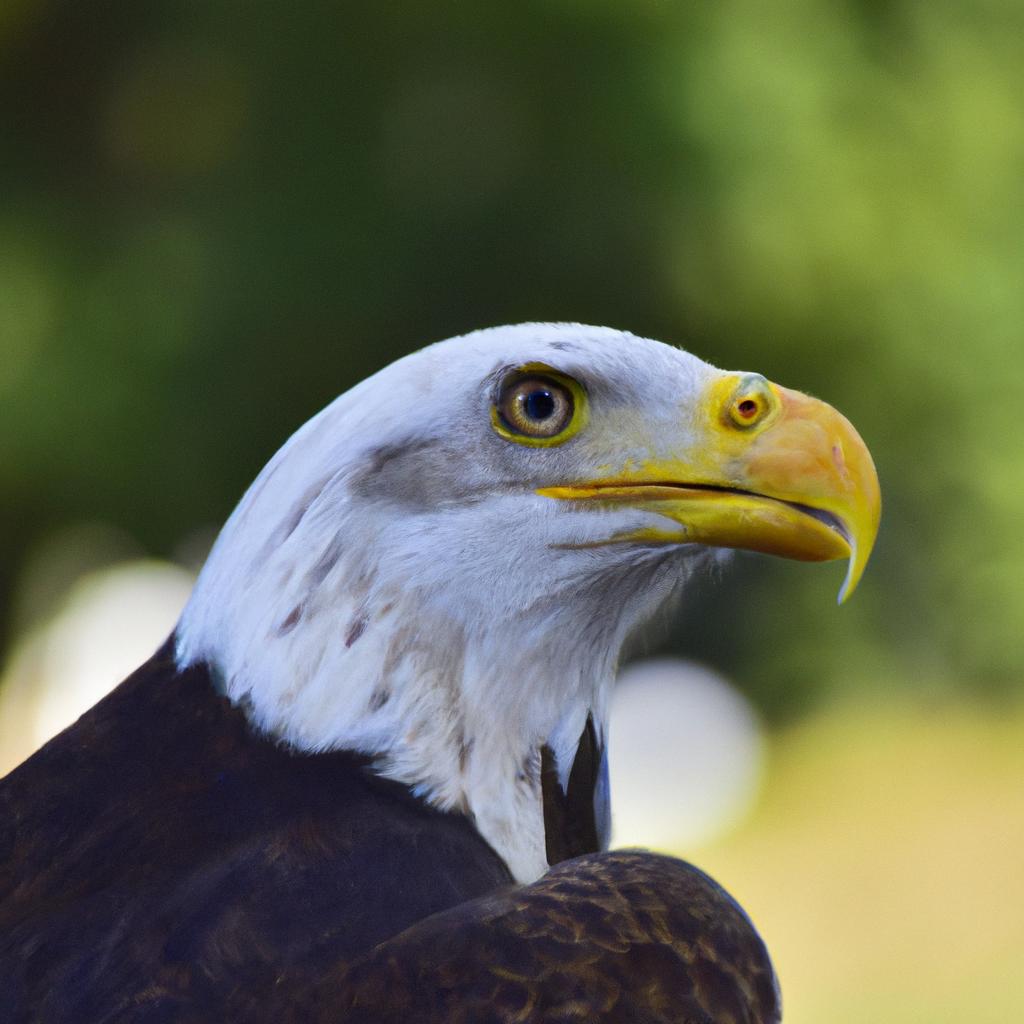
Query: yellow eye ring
<point>538,406</point>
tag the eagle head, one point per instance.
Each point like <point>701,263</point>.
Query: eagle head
<point>439,570</point>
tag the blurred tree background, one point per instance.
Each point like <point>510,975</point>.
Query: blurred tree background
<point>214,217</point>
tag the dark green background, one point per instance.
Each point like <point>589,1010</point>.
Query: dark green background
<point>216,216</point>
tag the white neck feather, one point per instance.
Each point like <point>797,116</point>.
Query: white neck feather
<point>455,699</point>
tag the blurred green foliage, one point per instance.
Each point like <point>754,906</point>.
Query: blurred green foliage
<point>214,217</point>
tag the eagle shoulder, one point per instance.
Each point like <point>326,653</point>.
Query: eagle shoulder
<point>618,937</point>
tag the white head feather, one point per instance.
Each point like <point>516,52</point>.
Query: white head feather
<point>393,584</point>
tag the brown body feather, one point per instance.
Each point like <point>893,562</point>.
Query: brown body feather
<point>616,937</point>
<point>159,861</point>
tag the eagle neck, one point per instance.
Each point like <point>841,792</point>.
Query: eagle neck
<point>342,638</point>
<point>457,706</point>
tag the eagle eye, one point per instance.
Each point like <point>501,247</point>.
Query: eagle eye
<point>537,408</point>
<point>752,404</point>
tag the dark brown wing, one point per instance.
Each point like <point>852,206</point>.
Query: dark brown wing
<point>620,937</point>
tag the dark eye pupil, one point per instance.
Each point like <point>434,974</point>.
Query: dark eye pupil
<point>539,405</point>
<point>748,407</point>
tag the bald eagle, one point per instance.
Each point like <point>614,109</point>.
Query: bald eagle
<point>366,779</point>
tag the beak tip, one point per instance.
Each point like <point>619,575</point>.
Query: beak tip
<point>854,571</point>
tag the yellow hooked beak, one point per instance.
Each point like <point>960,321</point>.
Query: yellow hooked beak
<point>776,471</point>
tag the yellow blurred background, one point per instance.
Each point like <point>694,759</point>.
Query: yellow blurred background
<point>216,217</point>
